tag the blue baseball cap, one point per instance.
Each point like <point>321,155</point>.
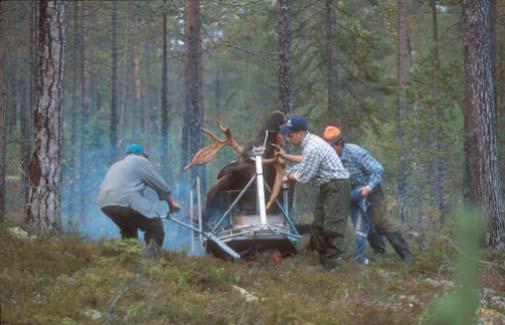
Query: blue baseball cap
<point>295,123</point>
<point>135,149</point>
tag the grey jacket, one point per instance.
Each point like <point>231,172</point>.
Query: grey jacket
<point>125,183</point>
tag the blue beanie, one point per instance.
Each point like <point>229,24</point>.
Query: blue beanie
<point>135,149</point>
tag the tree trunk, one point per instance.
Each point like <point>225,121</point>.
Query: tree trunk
<point>43,211</point>
<point>193,81</point>
<point>403,64</point>
<point>3,109</point>
<point>138,92</point>
<point>438,163</point>
<point>485,188</point>
<point>113,97</point>
<point>150,119</point>
<point>122,114</point>
<point>331,64</point>
<point>83,165</point>
<point>164,99</point>
<point>284,45</point>
<point>27,133</point>
<point>133,99</point>
<point>217,92</point>
<point>73,114</point>
<point>12,104</point>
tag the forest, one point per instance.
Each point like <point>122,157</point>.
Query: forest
<point>420,84</point>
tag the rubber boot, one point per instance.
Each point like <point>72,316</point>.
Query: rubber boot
<point>401,247</point>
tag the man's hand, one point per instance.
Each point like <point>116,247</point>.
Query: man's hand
<point>174,207</point>
<point>364,191</point>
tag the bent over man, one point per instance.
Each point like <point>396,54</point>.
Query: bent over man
<point>122,199</point>
<point>366,174</point>
<point>320,163</point>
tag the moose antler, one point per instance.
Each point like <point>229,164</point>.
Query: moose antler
<point>278,163</point>
<point>208,153</point>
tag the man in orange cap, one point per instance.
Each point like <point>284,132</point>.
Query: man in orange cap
<point>366,174</point>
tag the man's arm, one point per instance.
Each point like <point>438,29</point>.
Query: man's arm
<point>373,168</point>
<point>292,158</point>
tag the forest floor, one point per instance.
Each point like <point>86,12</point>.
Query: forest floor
<point>64,279</point>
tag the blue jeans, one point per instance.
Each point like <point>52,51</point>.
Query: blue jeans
<point>362,223</point>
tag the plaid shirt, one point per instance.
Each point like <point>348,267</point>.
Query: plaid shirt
<point>320,162</point>
<point>364,169</point>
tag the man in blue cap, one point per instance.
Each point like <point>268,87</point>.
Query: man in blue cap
<point>122,199</point>
<point>320,163</point>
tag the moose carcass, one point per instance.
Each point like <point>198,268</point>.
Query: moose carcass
<point>232,205</point>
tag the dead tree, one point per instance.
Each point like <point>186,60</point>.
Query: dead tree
<point>43,211</point>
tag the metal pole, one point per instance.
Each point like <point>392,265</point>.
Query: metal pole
<point>285,198</point>
<point>199,204</point>
<point>233,204</point>
<point>260,186</point>
<point>191,218</point>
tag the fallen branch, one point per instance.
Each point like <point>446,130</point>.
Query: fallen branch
<point>136,279</point>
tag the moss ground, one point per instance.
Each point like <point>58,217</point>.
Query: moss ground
<point>63,279</point>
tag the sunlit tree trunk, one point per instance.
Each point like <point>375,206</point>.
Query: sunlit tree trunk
<point>3,108</point>
<point>113,96</point>
<point>284,48</point>
<point>43,210</point>
<point>83,163</point>
<point>193,81</point>
<point>73,114</point>
<point>403,64</point>
<point>485,187</point>
<point>164,98</point>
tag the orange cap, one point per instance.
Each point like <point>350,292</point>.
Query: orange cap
<point>331,133</point>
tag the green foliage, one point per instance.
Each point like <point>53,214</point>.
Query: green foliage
<point>460,305</point>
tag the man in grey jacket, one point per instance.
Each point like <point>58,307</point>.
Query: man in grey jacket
<point>122,199</point>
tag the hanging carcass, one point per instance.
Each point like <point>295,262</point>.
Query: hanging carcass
<point>233,205</point>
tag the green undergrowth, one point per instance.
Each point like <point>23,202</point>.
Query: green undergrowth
<point>67,280</point>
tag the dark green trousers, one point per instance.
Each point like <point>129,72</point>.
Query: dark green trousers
<point>330,218</point>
